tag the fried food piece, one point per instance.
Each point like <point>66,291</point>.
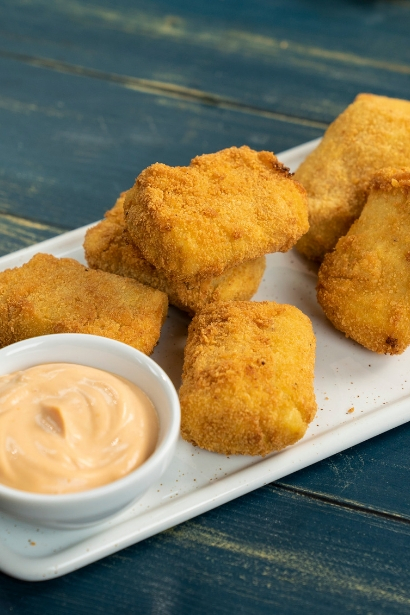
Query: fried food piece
<point>225,208</point>
<point>108,246</point>
<point>363,286</point>
<point>372,133</point>
<point>247,384</point>
<point>59,295</point>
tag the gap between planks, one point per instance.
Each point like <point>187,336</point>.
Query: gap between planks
<point>191,31</point>
<point>347,505</point>
<point>159,88</point>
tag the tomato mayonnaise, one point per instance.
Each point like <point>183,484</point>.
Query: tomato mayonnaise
<point>67,427</point>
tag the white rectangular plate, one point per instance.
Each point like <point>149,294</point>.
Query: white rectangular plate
<point>347,376</point>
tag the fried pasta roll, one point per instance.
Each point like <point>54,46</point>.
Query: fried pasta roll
<point>363,286</point>
<point>195,222</point>
<point>59,295</point>
<point>247,385</point>
<point>372,133</point>
<point>108,246</point>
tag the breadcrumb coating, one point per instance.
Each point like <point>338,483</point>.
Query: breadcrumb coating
<point>247,385</point>
<point>108,246</point>
<point>225,208</point>
<point>59,295</point>
<point>372,133</point>
<point>363,286</point>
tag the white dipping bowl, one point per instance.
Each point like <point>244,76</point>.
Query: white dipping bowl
<point>84,508</point>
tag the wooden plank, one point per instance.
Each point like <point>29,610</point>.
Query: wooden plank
<point>71,144</point>
<point>308,62</point>
<point>269,552</point>
<point>17,233</point>
<point>371,475</point>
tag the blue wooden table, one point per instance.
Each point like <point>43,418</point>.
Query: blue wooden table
<point>93,92</point>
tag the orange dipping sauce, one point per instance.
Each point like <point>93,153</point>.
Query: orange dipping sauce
<point>67,428</point>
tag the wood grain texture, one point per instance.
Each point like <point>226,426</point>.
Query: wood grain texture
<point>18,233</point>
<point>263,54</point>
<point>372,475</point>
<point>268,552</point>
<point>71,144</point>
<point>91,93</point>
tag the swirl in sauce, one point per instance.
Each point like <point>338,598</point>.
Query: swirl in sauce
<point>67,428</point>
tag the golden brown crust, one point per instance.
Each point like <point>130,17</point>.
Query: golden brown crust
<point>372,133</point>
<point>248,378</point>
<point>363,285</point>
<point>389,179</point>
<point>59,295</point>
<point>108,246</point>
<point>194,222</point>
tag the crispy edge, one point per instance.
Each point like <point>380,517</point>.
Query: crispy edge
<point>373,132</point>
<point>109,247</point>
<point>363,284</point>
<point>172,222</point>
<point>52,295</point>
<point>248,378</point>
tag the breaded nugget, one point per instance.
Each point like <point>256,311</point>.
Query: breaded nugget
<point>247,384</point>
<point>364,285</point>
<point>108,246</point>
<point>372,133</point>
<point>59,295</point>
<point>197,221</point>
